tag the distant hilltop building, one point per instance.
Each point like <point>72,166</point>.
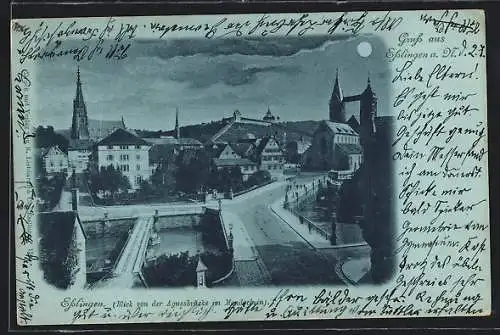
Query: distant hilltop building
<point>269,116</point>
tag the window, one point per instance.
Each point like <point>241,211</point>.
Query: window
<point>110,157</point>
<point>124,157</point>
<point>138,167</point>
<point>137,146</point>
<point>124,168</point>
<point>123,146</point>
<point>138,157</point>
<point>110,147</point>
<point>138,180</point>
<point>51,163</point>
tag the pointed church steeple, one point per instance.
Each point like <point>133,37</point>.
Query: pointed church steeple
<point>367,114</point>
<point>368,90</point>
<point>337,108</point>
<point>79,126</point>
<point>177,128</point>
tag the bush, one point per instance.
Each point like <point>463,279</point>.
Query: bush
<point>49,190</point>
<point>180,269</point>
<point>174,270</point>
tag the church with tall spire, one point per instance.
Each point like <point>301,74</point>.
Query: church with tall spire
<point>80,122</point>
<point>337,104</point>
<point>84,132</point>
<point>177,127</point>
<point>340,144</point>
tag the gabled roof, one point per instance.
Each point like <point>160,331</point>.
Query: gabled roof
<point>80,144</point>
<point>47,150</point>
<point>122,137</point>
<point>99,129</point>
<point>263,143</point>
<point>242,149</point>
<point>354,123</point>
<point>340,128</point>
<point>349,148</point>
<point>201,266</point>
<point>215,149</point>
<point>161,152</point>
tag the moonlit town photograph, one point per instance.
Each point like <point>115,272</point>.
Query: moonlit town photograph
<point>216,163</point>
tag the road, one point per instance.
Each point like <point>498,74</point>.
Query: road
<point>284,257</point>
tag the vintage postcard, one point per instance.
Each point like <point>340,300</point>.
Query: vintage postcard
<point>250,167</point>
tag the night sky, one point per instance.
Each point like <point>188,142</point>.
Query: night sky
<point>208,79</point>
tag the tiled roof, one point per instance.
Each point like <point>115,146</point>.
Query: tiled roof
<point>262,144</point>
<point>99,129</point>
<point>76,144</point>
<point>215,149</point>
<point>340,128</point>
<point>354,123</point>
<point>161,152</point>
<point>349,148</point>
<point>232,162</point>
<point>241,148</point>
<point>122,137</point>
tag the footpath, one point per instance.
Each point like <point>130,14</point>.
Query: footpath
<point>353,269</point>
<point>244,249</point>
<point>90,213</point>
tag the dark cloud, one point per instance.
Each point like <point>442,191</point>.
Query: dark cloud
<point>229,72</point>
<point>277,47</point>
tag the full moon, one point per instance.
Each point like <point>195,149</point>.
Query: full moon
<point>364,49</point>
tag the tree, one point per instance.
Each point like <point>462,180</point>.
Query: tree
<point>108,179</point>
<point>193,170</point>
<point>235,178</point>
<point>350,199</point>
<point>47,137</point>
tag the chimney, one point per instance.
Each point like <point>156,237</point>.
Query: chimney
<point>74,192</point>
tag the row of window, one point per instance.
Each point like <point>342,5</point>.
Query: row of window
<point>271,158</point>
<point>248,168</point>
<point>272,150</point>
<point>126,167</point>
<point>274,167</point>
<point>123,157</point>
<point>125,147</point>
<point>346,139</point>
<point>61,163</point>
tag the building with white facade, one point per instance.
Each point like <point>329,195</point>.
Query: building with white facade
<point>224,156</point>
<point>128,153</point>
<point>269,155</point>
<point>334,146</point>
<point>54,160</point>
